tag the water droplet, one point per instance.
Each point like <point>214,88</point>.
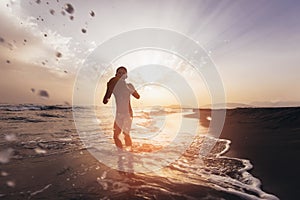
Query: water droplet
<point>52,11</point>
<point>92,13</point>
<point>63,13</point>
<point>10,183</point>
<point>69,8</point>
<point>38,1</point>
<point>3,173</point>
<point>58,54</point>
<point>7,61</point>
<point>208,118</point>
<point>83,30</point>
<point>45,35</point>
<point>10,137</point>
<point>71,17</point>
<point>104,175</point>
<point>32,89</point>
<point>43,94</point>
<point>40,151</point>
<point>5,155</point>
<point>2,39</point>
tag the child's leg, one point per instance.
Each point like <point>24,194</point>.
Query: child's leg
<point>117,131</point>
<point>126,130</point>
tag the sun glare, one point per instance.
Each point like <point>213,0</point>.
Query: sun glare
<point>155,95</point>
<point>159,76</point>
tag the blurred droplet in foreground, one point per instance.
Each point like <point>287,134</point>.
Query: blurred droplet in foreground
<point>69,8</point>
<point>58,54</point>
<point>11,183</point>
<point>83,30</point>
<point>103,175</point>
<point>43,94</point>
<point>92,13</point>
<point>52,11</point>
<point>3,173</point>
<point>40,151</point>
<point>5,155</point>
<point>10,137</point>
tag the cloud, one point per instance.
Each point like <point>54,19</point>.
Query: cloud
<point>24,40</point>
<point>22,85</point>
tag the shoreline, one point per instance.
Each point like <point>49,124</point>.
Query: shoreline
<point>265,137</point>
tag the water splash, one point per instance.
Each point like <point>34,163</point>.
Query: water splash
<point>92,13</point>
<point>69,8</point>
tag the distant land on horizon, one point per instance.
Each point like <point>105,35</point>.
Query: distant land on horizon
<point>232,105</point>
<point>256,104</point>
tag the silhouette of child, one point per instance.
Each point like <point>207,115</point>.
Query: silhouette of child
<point>122,91</point>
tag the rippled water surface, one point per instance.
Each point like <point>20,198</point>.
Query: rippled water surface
<point>167,164</point>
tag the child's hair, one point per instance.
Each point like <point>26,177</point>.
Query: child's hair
<point>122,67</point>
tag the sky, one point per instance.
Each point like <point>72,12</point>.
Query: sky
<point>254,46</point>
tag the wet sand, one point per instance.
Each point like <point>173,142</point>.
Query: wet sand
<point>78,175</point>
<point>269,138</point>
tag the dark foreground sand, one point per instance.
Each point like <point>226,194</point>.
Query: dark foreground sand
<point>270,139</point>
<point>78,175</point>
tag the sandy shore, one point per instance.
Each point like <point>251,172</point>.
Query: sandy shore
<point>78,175</point>
<point>269,138</point>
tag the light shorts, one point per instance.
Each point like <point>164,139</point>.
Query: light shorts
<point>124,121</point>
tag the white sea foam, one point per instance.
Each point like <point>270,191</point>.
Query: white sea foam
<point>40,191</point>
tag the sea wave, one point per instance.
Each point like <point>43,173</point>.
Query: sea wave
<point>24,107</point>
<point>191,176</point>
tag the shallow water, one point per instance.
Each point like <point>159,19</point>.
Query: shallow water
<point>175,171</point>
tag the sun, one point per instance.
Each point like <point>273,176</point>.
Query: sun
<point>155,95</point>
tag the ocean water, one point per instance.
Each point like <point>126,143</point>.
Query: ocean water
<point>167,165</point>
